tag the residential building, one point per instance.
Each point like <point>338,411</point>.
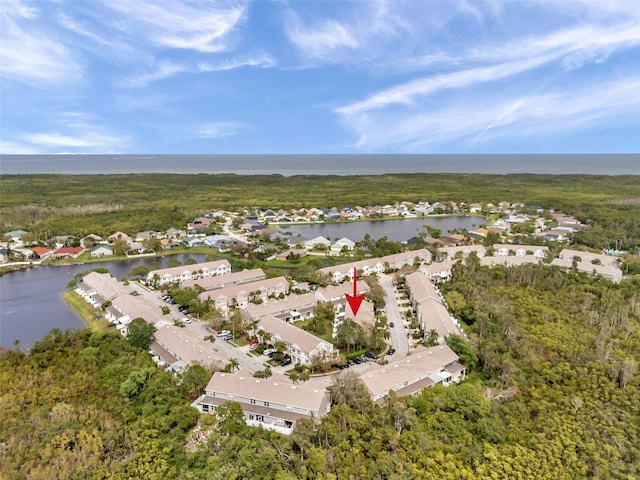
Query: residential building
<point>68,252</point>
<point>101,251</point>
<point>274,403</point>
<point>409,375</point>
<point>504,250</point>
<point>365,268</point>
<point>42,252</point>
<point>189,272</point>
<point>509,261</point>
<point>321,242</point>
<point>240,295</point>
<point>410,257</point>
<point>464,250</point>
<point>344,244</point>
<point>179,348</point>
<point>120,236</point>
<point>589,257</point>
<point>302,346</point>
<point>221,281</point>
<point>90,240</point>
<point>290,309</point>
<point>610,273</point>
<point>430,307</point>
<point>438,271</point>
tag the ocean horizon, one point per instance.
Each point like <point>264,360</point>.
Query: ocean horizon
<point>323,164</point>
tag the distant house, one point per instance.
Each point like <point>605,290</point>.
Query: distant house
<point>193,241</point>
<point>90,240</point>
<point>292,253</point>
<point>4,255</point>
<point>15,235</point>
<point>451,252</point>
<point>42,252</point>
<point>222,281</point>
<point>291,309</point>
<point>342,245</point>
<point>101,251</point>
<point>273,403</point>
<point>120,236</point>
<point>320,241</point>
<point>240,295</point>
<point>68,252</point>
<point>475,208</point>
<point>174,233</point>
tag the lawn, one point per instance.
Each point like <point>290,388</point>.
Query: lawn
<point>92,316</point>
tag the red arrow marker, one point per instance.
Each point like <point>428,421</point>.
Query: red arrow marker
<point>355,300</point>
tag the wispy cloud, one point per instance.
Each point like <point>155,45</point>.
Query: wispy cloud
<point>200,26</point>
<point>29,54</point>
<point>8,147</point>
<point>166,69</point>
<point>219,129</point>
<point>496,116</point>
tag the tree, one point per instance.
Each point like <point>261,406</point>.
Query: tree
<point>194,380</point>
<point>349,334</point>
<point>173,262</point>
<point>152,244</point>
<point>467,356</point>
<point>233,364</point>
<point>349,390</point>
<point>120,247</point>
<point>139,271</point>
<point>139,333</point>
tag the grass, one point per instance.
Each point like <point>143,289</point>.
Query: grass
<point>327,336</point>
<point>87,312</point>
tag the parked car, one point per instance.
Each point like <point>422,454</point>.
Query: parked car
<point>269,351</point>
<point>391,351</point>
<point>223,333</point>
<point>371,355</point>
<point>391,325</point>
<point>186,320</point>
<point>228,337</point>
<point>285,362</point>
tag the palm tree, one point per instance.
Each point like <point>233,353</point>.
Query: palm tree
<point>233,364</point>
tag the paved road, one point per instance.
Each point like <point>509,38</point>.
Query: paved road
<point>398,334</point>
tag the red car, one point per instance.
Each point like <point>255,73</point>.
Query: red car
<point>391,325</point>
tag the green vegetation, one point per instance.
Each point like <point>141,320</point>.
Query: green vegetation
<point>48,205</point>
<point>554,395</point>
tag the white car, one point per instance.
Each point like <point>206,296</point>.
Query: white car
<point>268,351</point>
<point>186,320</point>
<point>223,333</point>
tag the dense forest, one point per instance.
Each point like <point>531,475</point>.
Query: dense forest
<point>553,393</point>
<point>50,205</point>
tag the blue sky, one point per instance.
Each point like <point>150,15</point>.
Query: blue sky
<point>319,77</point>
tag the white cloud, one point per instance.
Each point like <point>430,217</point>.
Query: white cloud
<point>219,129</point>
<point>497,115</point>
<point>166,69</point>
<point>30,54</point>
<point>323,40</point>
<point>57,139</point>
<point>201,26</point>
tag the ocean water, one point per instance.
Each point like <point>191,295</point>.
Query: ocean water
<point>289,165</point>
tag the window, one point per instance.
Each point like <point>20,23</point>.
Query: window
<point>260,418</point>
<point>253,401</point>
<point>251,417</point>
<point>266,404</point>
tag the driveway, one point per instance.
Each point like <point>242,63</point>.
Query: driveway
<point>398,334</point>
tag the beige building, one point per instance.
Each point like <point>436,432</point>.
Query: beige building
<point>273,403</point>
<point>430,307</point>
<point>240,295</point>
<point>302,346</point>
<point>367,267</point>
<point>290,309</point>
<point>411,257</point>
<point>189,272</point>
<point>504,250</point>
<point>610,273</point>
<point>221,281</point>
<point>409,375</point>
<point>450,253</point>
<point>179,348</point>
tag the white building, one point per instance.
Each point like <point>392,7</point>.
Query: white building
<point>189,272</point>
<point>273,403</point>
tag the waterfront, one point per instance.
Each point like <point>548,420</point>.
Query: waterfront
<point>31,300</point>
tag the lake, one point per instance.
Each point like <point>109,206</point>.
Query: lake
<point>396,230</point>
<point>31,300</point>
